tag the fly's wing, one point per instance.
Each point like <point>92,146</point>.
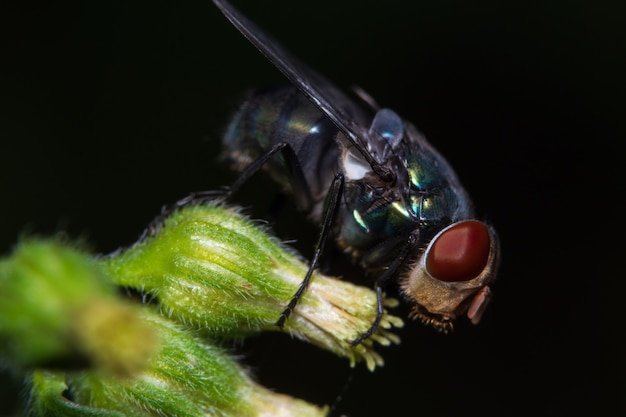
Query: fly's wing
<point>342,111</point>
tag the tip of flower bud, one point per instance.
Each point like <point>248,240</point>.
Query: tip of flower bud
<point>333,313</point>
<point>115,337</point>
<point>69,314</point>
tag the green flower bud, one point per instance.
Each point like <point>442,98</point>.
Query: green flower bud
<point>210,267</point>
<point>187,378</point>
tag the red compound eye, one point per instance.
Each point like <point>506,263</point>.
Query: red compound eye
<point>460,253</point>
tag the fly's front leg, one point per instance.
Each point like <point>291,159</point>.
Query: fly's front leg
<point>331,207</point>
<point>380,283</point>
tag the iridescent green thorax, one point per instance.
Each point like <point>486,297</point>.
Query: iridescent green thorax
<point>378,218</point>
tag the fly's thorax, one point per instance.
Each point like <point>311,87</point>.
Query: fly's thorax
<point>379,215</point>
<point>453,274</point>
<point>373,212</point>
<point>283,115</point>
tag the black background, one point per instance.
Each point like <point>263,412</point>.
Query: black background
<point>109,109</point>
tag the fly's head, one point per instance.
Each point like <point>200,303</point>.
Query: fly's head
<point>453,275</point>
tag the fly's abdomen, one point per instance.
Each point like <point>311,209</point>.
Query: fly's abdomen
<point>284,115</point>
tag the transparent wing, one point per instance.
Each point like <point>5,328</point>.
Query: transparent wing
<point>351,119</point>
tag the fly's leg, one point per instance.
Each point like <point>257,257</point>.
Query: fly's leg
<point>331,206</point>
<point>295,170</point>
<point>380,283</point>
<point>380,310</point>
<point>298,181</point>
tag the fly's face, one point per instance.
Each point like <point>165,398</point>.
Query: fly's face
<point>452,276</point>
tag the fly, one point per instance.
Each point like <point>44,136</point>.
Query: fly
<point>373,184</point>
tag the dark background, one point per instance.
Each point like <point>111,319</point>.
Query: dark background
<point>109,109</point>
